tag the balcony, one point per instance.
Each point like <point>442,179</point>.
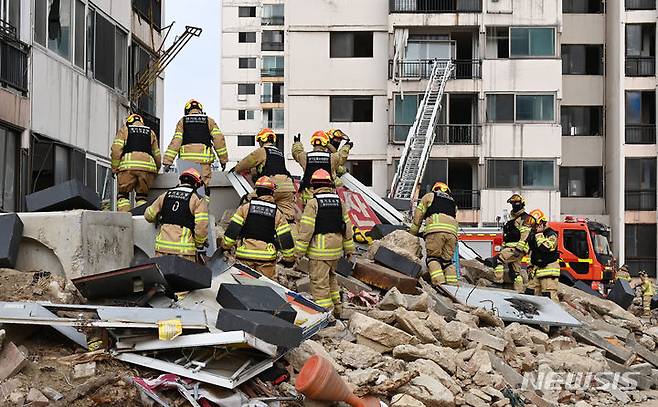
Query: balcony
<point>150,10</point>
<point>435,6</point>
<point>271,99</point>
<point>273,20</point>
<point>644,200</point>
<point>640,134</point>
<point>271,72</point>
<point>640,4</point>
<point>445,134</point>
<point>464,69</point>
<point>13,62</point>
<point>640,66</point>
<point>467,199</point>
<point>272,46</point>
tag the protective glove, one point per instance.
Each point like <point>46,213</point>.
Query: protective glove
<point>297,138</point>
<point>223,166</point>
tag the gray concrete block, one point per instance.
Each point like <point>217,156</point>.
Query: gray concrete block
<point>11,231</point>
<point>68,195</point>
<point>622,294</point>
<point>263,326</point>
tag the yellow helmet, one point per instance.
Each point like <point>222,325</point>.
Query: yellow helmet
<point>336,134</point>
<point>539,215</point>
<point>320,137</point>
<point>134,118</point>
<point>516,199</point>
<point>193,104</point>
<point>441,186</point>
<point>266,135</point>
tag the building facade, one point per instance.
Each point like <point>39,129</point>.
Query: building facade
<point>65,80</point>
<point>554,99</point>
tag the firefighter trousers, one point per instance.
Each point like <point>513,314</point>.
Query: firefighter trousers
<point>547,287</point>
<point>440,253</point>
<point>324,285</point>
<point>510,258</point>
<point>133,180</point>
<point>266,268</point>
<point>190,258</point>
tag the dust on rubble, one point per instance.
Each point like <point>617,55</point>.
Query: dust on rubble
<point>17,285</point>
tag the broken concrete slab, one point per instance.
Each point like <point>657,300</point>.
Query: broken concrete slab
<point>581,359</point>
<point>453,334</point>
<point>75,243</point>
<point>445,357</point>
<point>616,353</point>
<point>429,391</point>
<point>643,352</point>
<point>397,262</point>
<point>299,355</point>
<point>384,278</point>
<point>413,325</point>
<point>358,356</point>
<point>405,400</point>
<point>430,368</point>
<point>622,294</point>
<point>12,360</point>
<point>10,238</point>
<point>482,337</point>
<point>36,398</point>
<point>362,377</point>
<point>261,325</point>
<point>66,196</point>
<point>84,370</point>
<point>442,305</point>
<point>393,300</point>
<point>599,305</point>
<point>401,242</point>
<point>376,331</point>
<point>255,298</point>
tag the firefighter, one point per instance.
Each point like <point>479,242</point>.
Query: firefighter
<point>647,293</point>
<point>544,256</point>
<point>325,235</point>
<point>336,137</point>
<point>623,274</point>
<point>439,211</point>
<point>319,158</point>
<point>260,230</point>
<point>197,139</point>
<point>515,238</point>
<point>268,160</point>
<point>136,159</point>
<point>183,218</point>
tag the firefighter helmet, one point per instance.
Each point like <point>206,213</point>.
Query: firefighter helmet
<point>266,135</point>
<point>319,137</point>
<point>539,215</point>
<point>134,118</point>
<point>336,134</point>
<point>516,199</point>
<point>321,176</point>
<point>265,182</point>
<point>191,176</point>
<point>642,273</point>
<point>193,104</point>
<point>441,186</point>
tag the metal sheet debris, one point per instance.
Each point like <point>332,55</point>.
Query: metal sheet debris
<point>513,307</point>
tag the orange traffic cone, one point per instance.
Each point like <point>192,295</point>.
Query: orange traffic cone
<point>318,380</point>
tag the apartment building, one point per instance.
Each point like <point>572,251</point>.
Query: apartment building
<point>66,71</point>
<point>551,98</point>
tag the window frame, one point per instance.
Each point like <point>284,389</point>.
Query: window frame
<point>353,98</point>
<point>565,10</point>
<point>246,34</point>
<point>250,9</point>
<point>515,107</point>
<point>248,86</point>
<point>601,62</point>
<point>248,60</point>
<point>520,162</point>
<point>70,60</point>
<point>241,140</point>
<point>244,113</point>
<point>599,181</point>
<point>591,108</point>
<point>353,34</point>
<point>536,27</point>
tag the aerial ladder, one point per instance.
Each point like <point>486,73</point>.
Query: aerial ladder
<point>421,135</point>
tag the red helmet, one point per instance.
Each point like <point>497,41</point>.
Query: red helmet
<point>321,176</point>
<point>265,182</point>
<point>191,176</point>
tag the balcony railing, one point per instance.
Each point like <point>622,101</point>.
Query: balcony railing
<point>422,69</point>
<point>13,63</point>
<point>640,66</point>
<point>274,20</point>
<point>466,199</point>
<point>640,4</point>
<point>640,134</point>
<point>271,72</point>
<point>644,200</point>
<point>451,134</point>
<point>271,98</point>
<point>151,10</point>
<point>273,124</point>
<point>435,6</point>
<point>272,46</point>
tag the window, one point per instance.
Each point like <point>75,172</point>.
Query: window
<point>350,108</point>
<point>273,14</point>
<point>640,117</point>
<point>575,241</point>
<point>640,244</point>
<point>582,120</point>
<point>640,4</point>
<point>350,44</point>
<point>246,89</point>
<point>581,182</point>
<point>404,116</point>
<point>273,118</point>
<point>141,60</point>
<point>247,37</point>
<point>520,174</point>
<point>245,115</point>
<point>79,41</point>
<point>54,163</point>
<point>110,55</point>
<point>246,141</point>
<point>9,143</point>
<point>532,42</point>
<point>272,92</point>
<point>40,21</point>
<point>273,66</point>
<point>272,41</point>
<point>582,6</point>
<point>535,108</point>
<point>247,63</point>
<point>497,42</point>
<point>58,24</point>
<point>10,12</point>
<point>640,184</point>
<point>500,108</point>
<point>361,170</point>
<point>640,49</point>
<point>582,59</point>
<point>246,11</point>
<point>59,27</point>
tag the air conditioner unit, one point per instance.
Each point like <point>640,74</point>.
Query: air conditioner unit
<point>242,98</point>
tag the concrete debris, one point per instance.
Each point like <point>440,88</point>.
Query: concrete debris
<point>377,333</point>
<point>393,300</point>
<point>413,325</point>
<point>36,398</point>
<point>12,360</point>
<point>581,359</point>
<point>405,400</point>
<point>363,377</point>
<point>482,337</point>
<point>445,357</point>
<point>429,391</point>
<point>84,370</point>
<point>298,356</point>
<point>400,242</point>
<point>358,356</point>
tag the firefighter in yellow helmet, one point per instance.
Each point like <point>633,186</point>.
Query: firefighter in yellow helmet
<point>183,218</point>
<point>268,160</point>
<point>647,293</point>
<point>336,137</point>
<point>260,231</point>
<point>196,139</point>
<point>623,274</point>
<point>325,235</point>
<point>515,238</point>
<point>439,212</point>
<point>544,256</point>
<point>136,160</point>
<point>319,158</point>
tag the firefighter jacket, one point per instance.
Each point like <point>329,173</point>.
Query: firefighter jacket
<point>544,253</point>
<point>623,275</point>
<point>268,160</point>
<point>647,287</point>
<point>517,230</point>
<point>135,148</point>
<point>183,218</point>
<point>260,230</point>
<point>325,230</point>
<point>439,212</point>
<point>340,170</point>
<point>194,140</point>
<point>319,158</point>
